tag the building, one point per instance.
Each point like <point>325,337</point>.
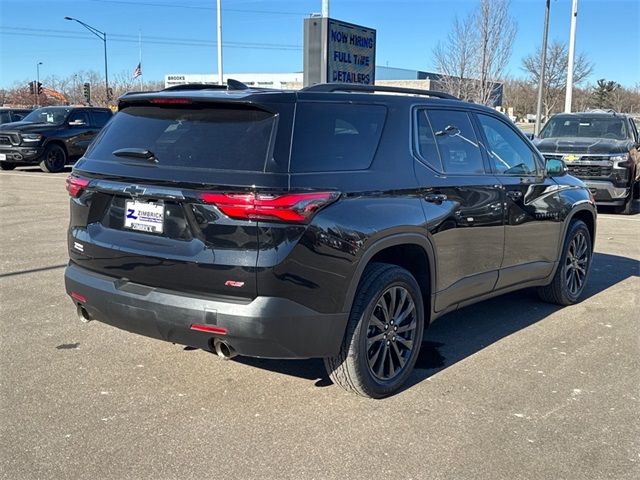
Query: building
<point>386,76</point>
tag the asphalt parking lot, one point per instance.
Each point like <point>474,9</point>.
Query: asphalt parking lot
<point>511,388</point>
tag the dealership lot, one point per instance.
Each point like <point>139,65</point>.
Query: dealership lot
<point>509,388</point>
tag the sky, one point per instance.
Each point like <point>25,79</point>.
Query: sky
<point>179,36</point>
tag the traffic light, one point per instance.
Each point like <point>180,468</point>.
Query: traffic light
<point>32,88</point>
<point>39,88</point>
<point>86,89</point>
<point>109,93</point>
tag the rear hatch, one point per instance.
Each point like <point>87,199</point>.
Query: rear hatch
<point>166,195</point>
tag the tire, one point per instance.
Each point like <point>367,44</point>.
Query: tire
<point>373,361</point>
<point>54,159</point>
<point>574,266</point>
<point>7,166</point>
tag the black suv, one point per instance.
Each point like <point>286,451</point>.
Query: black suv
<point>331,222</point>
<point>8,115</point>
<point>599,147</point>
<point>50,136</point>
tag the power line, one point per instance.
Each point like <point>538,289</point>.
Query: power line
<point>197,7</point>
<point>156,40</point>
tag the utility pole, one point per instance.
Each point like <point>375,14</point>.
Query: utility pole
<point>572,51</point>
<point>219,11</point>
<point>38,83</point>
<point>325,8</point>
<point>543,62</point>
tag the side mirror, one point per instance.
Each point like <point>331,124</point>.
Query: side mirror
<point>77,123</point>
<point>555,167</point>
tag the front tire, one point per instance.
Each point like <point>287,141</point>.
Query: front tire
<point>383,334</point>
<point>7,166</point>
<point>54,159</point>
<point>571,275</point>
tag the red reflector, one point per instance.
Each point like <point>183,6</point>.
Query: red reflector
<point>201,327</point>
<point>294,207</point>
<point>78,297</point>
<point>170,101</point>
<point>75,185</point>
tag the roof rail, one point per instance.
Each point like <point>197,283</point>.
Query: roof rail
<point>344,87</point>
<point>231,85</point>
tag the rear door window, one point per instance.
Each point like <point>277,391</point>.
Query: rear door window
<point>456,142</point>
<point>214,138</point>
<point>331,137</point>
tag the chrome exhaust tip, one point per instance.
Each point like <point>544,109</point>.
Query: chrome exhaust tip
<point>83,315</point>
<point>223,349</point>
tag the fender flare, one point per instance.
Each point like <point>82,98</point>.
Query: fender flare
<point>386,242</point>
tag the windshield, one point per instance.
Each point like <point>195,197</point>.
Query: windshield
<point>614,128</point>
<point>48,115</point>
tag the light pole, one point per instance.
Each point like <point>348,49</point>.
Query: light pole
<point>572,49</point>
<point>37,89</point>
<point>102,36</point>
<point>219,42</point>
<point>543,64</point>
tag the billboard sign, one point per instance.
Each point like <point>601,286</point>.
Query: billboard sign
<point>351,53</point>
<point>338,52</point>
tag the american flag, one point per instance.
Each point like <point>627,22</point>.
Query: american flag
<point>138,71</point>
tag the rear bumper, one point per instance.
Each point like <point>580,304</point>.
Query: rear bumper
<point>267,327</point>
<point>25,155</point>
<point>606,193</point>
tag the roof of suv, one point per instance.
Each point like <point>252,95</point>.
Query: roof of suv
<point>237,92</point>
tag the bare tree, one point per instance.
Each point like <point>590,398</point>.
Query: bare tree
<point>555,80</point>
<point>476,51</point>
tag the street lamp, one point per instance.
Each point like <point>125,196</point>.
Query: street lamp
<point>37,89</point>
<point>102,36</point>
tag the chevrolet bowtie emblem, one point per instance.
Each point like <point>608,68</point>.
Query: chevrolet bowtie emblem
<point>135,190</point>
<point>570,158</point>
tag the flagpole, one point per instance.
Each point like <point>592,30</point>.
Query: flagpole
<point>140,55</point>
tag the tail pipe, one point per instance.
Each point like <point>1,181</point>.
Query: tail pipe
<point>223,349</point>
<point>83,314</point>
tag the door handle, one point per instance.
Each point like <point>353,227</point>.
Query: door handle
<point>514,195</point>
<point>435,197</point>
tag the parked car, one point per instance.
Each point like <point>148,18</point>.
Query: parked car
<point>331,222</point>
<point>599,147</point>
<point>8,115</point>
<point>50,137</point>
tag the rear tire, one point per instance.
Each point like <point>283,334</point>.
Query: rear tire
<point>383,334</point>
<point>54,159</point>
<point>7,166</point>
<point>571,275</point>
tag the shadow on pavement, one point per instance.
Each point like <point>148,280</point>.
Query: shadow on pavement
<point>460,334</point>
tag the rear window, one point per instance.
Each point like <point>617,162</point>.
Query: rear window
<point>218,138</point>
<point>335,137</point>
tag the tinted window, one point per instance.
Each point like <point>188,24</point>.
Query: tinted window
<point>456,141</point>
<point>223,138</point>
<point>426,142</point>
<point>335,137</point>
<point>100,118</point>
<point>586,126</point>
<point>508,153</point>
<point>5,117</point>
<point>17,116</point>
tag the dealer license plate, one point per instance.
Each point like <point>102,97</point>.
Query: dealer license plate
<point>144,216</point>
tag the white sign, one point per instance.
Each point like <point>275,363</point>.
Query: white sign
<point>351,53</point>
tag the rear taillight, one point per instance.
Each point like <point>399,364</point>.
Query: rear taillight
<point>75,185</point>
<point>293,207</point>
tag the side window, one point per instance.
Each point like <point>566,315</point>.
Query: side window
<point>509,154</point>
<point>78,118</point>
<point>17,116</point>
<point>426,142</point>
<point>456,142</point>
<point>335,136</point>
<point>100,118</point>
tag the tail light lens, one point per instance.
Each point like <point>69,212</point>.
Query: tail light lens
<point>75,185</point>
<point>293,207</point>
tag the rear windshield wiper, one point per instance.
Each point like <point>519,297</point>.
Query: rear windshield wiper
<point>140,153</point>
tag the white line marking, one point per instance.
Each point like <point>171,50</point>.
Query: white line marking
<point>619,217</point>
